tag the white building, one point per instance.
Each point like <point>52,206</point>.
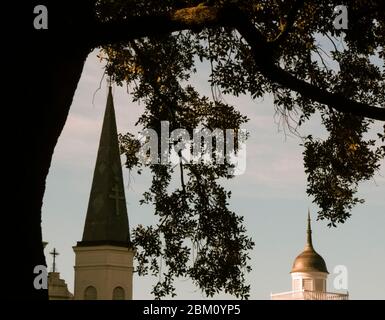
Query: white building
<point>309,275</point>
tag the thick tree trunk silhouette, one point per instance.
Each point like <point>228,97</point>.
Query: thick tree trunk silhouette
<point>43,77</point>
<point>52,89</point>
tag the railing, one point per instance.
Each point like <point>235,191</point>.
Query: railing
<point>309,295</point>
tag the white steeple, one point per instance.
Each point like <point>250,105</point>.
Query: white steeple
<point>309,275</point>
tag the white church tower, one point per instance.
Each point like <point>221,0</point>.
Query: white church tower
<point>104,257</point>
<point>309,275</point>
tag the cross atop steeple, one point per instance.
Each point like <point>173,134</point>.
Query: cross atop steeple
<point>54,253</point>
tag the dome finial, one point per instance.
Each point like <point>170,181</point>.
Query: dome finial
<point>309,242</point>
<point>309,260</point>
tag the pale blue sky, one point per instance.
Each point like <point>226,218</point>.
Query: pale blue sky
<point>270,195</point>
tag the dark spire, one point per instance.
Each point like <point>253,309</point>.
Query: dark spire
<point>309,242</point>
<point>107,221</point>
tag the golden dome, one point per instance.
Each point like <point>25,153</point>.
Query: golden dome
<point>309,260</point>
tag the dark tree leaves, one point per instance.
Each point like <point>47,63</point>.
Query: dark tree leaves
<point>197,236</point>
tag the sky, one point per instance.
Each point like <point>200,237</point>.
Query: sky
<point>271,196</point>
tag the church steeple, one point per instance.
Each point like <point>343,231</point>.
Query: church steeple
<point>107,221</point>
<point>104,258</point>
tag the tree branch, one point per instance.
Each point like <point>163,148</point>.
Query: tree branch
<point>289,23</point>
<point>262,54</point>
<point>197,18</point>
<point>193,18</point>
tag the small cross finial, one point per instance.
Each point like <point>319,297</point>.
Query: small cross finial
<point>54,253</point>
